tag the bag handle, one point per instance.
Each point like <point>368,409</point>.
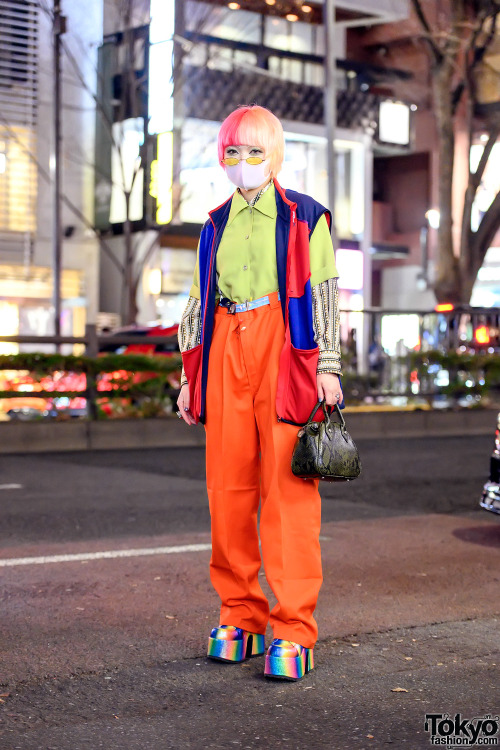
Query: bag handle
<point>327,415</point>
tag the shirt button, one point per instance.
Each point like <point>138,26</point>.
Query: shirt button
<point>245,268</point>
<point>247,237</point>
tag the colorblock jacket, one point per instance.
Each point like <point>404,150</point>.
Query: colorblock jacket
<point>297,216</point>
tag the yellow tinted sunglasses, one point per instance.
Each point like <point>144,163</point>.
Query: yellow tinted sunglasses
<point>231,161</point>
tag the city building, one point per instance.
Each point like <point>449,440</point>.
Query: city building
<point>219,55</point>
<point>26,163</point>
<point>406,186</point>
<point>153,88</point>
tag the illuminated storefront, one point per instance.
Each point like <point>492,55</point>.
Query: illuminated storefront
<point>26,305</point>
<point>486,291</point>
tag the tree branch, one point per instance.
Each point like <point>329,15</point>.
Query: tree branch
<point>482,239</point>
<point>478,174</point>
<point>142,262</point>
<point>419,11</point>
<point>108,122</point>
<point>476,50</point>
<point>76,211</point>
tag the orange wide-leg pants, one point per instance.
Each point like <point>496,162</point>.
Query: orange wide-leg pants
<point>248,457</point>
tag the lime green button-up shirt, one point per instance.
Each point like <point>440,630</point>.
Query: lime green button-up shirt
<point>246,258</point>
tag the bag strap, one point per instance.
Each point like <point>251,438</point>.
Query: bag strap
<point>341,416</point>
<point>327,414</point>
<point>316,407</point>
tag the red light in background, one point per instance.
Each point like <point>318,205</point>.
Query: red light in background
<point>444,307</point>
<point>482,335</point>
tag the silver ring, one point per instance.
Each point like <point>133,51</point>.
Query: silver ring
<point>179,414</point>
<point>186,408</point>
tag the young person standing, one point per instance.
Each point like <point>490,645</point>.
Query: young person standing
<point>259,339</point>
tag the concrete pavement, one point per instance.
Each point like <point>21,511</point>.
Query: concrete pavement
<point>129,434</point>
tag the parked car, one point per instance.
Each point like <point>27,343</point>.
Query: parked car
<point>490,499</point>
<point>171,344</point>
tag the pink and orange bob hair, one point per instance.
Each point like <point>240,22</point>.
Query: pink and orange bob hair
<point>254,126</point>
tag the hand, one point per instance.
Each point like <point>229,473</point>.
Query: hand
<point>183,405</point>
<point>329,388</point>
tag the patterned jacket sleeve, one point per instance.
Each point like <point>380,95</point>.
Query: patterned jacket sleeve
<point>326,322</point>
<point>189,333</point>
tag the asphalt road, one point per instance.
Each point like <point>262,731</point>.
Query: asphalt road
<point>112,494</point>
<point>109,652</point>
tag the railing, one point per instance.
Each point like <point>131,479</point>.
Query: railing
<point>435,361</point>
<point>92,341</point>
<point>93,364</point>
<point>310,67</point>
<point>431,358</point>
<point>218,74</point>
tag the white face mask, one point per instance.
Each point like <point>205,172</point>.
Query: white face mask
<point>248,176</point>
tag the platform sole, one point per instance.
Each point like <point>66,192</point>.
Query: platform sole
<point>288,668</point>
<point>252,644</point>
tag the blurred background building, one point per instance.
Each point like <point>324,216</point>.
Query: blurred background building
<point>224,56</point>
<point>146,84</point>
<point>219,55</point>
<point>26,149</point>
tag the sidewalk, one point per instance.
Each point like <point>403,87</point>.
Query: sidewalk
<point>366,696</point>
<point>80,435</point>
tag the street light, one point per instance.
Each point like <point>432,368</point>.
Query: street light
<point>155,281</point>
<point>433,217</point>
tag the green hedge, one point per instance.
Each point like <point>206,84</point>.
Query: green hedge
<point>487,363</point>
<point>124,396</point>
<point>154,393</point>
<point>483,369</point>
<point>40,364</point>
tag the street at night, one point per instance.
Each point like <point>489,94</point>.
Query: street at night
<point>109,651</point>
<point>215,217</point>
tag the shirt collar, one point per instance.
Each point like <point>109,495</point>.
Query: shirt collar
<point>266,204</point>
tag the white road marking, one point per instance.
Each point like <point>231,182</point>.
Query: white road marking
<point>108,554</point>
<point>11,486</point>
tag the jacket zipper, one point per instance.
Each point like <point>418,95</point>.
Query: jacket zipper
<point>280,419</point>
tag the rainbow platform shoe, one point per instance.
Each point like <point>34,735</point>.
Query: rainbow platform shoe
<point>286,660</point>
<point>228,643</point>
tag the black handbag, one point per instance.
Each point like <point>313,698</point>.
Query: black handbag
<point>325,450</point>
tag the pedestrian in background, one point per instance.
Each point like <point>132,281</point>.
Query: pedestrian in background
<point>260,344</point>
